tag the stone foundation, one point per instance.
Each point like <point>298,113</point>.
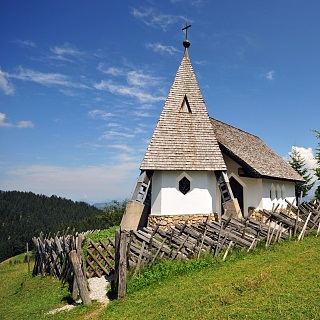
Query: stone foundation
<point>166,221</point>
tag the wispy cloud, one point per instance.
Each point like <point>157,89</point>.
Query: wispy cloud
<point>110,70</point>
<point>122,147</point>
<point>124,157</point>
<point>142,114</point>
<point>270,75</point>
<point>21,124</point>
<point>155,19</point>
<point>115,134</point>
<point>5,84</point>
<point>194,3</point>
<point>26,43</point>
<point>160,48</point>
<point>129,91</point>
<point>65,51</point>
<point>113,125</point>
<point>99,114</point>
<point>46,79</point>
<point>139,79</point>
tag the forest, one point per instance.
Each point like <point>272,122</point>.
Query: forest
<point>25,214</point>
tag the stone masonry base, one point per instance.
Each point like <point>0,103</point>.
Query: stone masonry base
<point>166,221</point>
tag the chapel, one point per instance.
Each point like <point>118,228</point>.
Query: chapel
<point>196,166</point>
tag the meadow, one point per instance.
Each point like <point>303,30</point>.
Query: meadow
<point>278,282</point>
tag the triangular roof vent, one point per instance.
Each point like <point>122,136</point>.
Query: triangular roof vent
<point>185,107</point>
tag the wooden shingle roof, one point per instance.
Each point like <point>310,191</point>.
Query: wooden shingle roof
<point>252,153</point>
<point>184,138</point>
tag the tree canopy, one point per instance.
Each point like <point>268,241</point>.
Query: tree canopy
<point>317,169</point>
<point>25,214</point>
<point>298,163</point>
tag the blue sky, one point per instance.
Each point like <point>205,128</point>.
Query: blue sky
<point>82,83</point>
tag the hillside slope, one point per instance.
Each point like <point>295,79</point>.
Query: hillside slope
<point>25,214</point>
<point>280,282</point>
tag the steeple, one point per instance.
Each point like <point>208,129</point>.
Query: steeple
<point>184,138</point>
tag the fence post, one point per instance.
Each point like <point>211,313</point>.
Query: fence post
<point>122,266</point>
<point>80,278</point>
<point>28,258</point>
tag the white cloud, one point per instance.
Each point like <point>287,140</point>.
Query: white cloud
<point>99,114</point>
<point>142,114</point>
<point>26,43</point>
<point>124,157</point>
<point>155,19</point>
<point>122,147</point>
<point>129,91</point>
<point>65,52</point>
<point>160,48</point>
<point>194,3</point>
<point>139,79</point>
<point>307,154</point>
<point>110,134</point>
<point>111,70</point>
<point>46,79</point>
<point>113,125</point>
<point>21,124</point>
<point>25,124</point>
<point>3,122</point>
<point>5,85</point>
<point>270,75</point>
<point>310,163</point>
<point>97,183</point>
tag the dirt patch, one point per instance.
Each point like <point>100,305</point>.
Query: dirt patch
<point>98,288</point>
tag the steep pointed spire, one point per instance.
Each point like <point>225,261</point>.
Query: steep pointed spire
<point>184,138</point>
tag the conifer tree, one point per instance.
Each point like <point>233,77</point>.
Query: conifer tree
<point>298,163</point>
<point>317,169</point>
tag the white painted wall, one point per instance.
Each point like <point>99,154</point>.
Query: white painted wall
<point>168,200</point>
<point>275,192</point>
<point>257,191</point>
<point>204,196</point>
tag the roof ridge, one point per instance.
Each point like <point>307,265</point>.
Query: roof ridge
<point>235,128</point>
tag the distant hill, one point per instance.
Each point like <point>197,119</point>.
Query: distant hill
<point>101,205</point>
<point>25,214</point>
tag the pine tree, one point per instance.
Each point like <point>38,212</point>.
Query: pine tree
<point>317,169</point>
<point>298,163</point>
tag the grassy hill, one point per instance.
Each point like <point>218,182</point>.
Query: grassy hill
<point>278,282</point>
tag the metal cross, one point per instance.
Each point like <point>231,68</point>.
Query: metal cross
<point>186,28</point>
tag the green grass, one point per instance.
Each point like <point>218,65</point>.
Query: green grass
<point>23,296</point>
<point>104,234</point>
<point>278,282</point>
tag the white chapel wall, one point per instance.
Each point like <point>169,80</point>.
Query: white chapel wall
<point>168,200</point>
<point>275,192</point>
<point>261,193</point>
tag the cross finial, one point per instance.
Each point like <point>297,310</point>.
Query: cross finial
<point>186,42</point>
<point>186,28</point>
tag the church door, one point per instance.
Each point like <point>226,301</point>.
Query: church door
<point>237,190</point>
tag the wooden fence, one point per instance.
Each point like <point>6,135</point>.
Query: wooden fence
<point>183,241</point>
<point>100,258</point>
<point>62,257</point>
